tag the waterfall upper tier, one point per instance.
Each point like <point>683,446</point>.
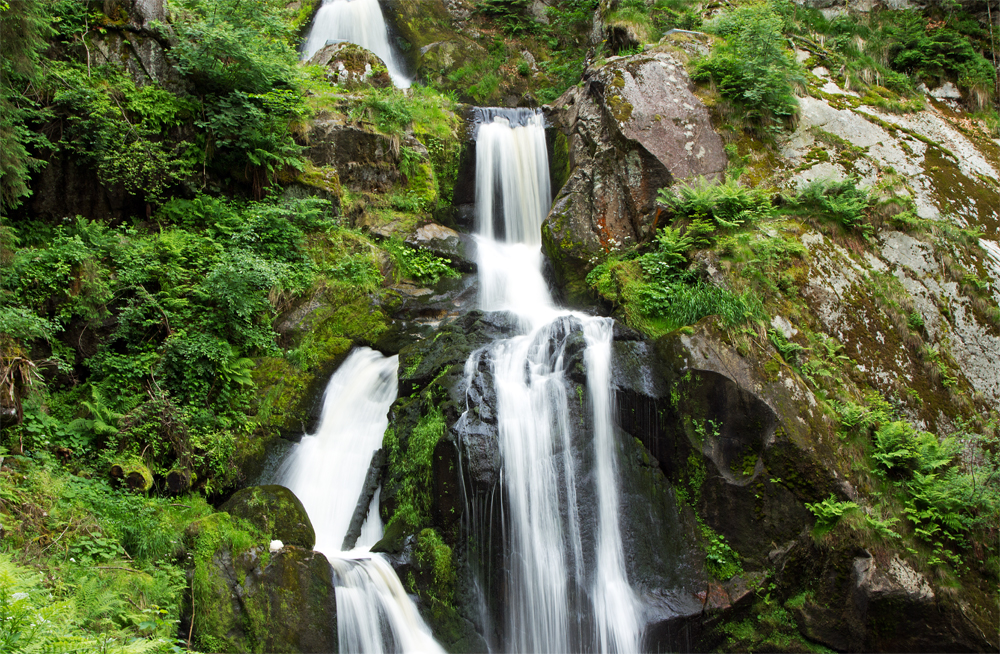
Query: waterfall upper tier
<point>560,594</point>
<point>357,21</point>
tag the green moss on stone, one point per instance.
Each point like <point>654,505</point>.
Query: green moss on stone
<point>560,161</point>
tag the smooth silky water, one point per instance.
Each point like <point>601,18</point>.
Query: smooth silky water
<point>558,594</point>
<point>549,579</point>
<point>356,21</point>
<point>326,471</point>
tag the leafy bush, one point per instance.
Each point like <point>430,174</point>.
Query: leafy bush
<point>23,30</point>
<point>190,304</point>
<point>240,58</point>
<point>721,560</point>
<point>420,265</point>
<point>119,128</point>
<point>388,109</point>
<point>842,201</point>
<point>753,70</point>
<point>828,513</point>
<point>511,15</point>
<point>675,14</point>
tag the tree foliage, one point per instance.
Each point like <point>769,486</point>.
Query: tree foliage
<point>24,27</point>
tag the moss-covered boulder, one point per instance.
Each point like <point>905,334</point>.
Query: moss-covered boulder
<point>276,512</point>
<point>246,599</point>
<point>747,445</point>
<point>352,66</point>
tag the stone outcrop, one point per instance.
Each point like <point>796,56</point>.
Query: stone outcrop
<point>352,66</point>
<point>765,447</point>
<point>945,172</point>
<point>437,48</point>
<point>632,128</point>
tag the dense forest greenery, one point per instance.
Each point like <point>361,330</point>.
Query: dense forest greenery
<point>149,339</point>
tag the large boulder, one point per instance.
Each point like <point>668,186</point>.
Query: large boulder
<point>632,128</point>
<point>750,445</point>
<point>245,598</point>
<point>275,511</point>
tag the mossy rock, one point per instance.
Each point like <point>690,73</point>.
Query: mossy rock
<point>352,66</point>
<point>133,474</point>
<point>275,511</point>
<point>256,602</point>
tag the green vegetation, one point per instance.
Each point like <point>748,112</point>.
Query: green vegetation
<point>418,264</point>
<point>190,302</point>
<point>656,290</point>
<point>113,562</point>
<point>414,467</point>
<point>23,33</point>
<point>941,485</point>
<point>753,69</point>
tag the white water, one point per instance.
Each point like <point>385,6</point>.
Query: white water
<point>546,560</point>
<point>326,471</point>
<point>615,614</point>
<point>356,21</point>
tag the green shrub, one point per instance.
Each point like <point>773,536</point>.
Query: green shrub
<point>679,304</point>
<point>828,513</point>
<point>721,560</point>
<point>753,70</point>
<point>24,28</point>
<point>420,265</point>
<point>510,15</point>
<point>388,109</point>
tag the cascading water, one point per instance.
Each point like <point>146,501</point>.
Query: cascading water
<point>326,471</point>
<point>356,21</point>
<point>550,575</point>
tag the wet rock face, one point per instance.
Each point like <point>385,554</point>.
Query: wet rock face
<point>749,447</point>
<point>944,167</point>
<point>436,46</point>
<point>445,242</point>
<point>275,511</point>
<point>366,161</point>
<point>662,558</point>
<point>633,128</point>
<point>287,604</point>
<point>352,66</point>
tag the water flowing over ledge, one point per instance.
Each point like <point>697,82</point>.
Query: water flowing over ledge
<point>550,574</point>
<point>326,471</point>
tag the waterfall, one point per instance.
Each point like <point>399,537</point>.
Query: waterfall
<point>356,21</point>
<point>326,471</point>
<point>613,599</point>
<point>550,575</point>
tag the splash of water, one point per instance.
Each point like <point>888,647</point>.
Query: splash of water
<point>356,21</point>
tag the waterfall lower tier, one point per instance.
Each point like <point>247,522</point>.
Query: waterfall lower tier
<point>562,592</point>
<point>327,471</point>
<point>614,603</point>
<point>356,21</point>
